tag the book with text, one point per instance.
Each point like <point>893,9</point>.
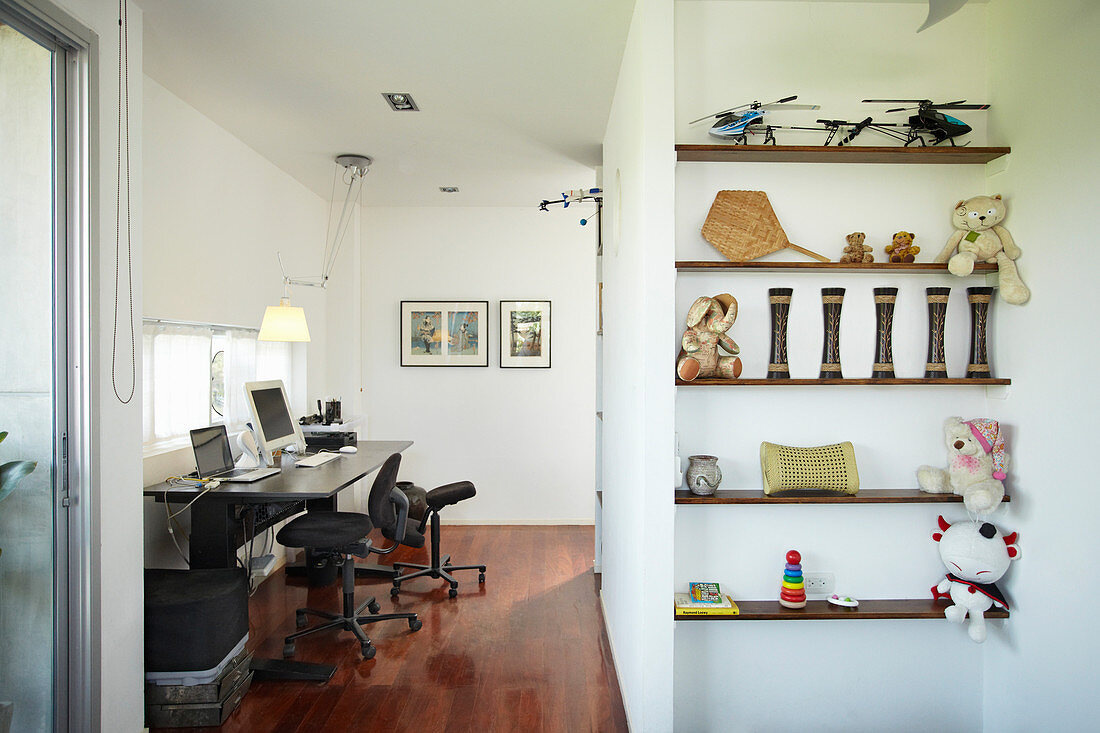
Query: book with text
<point>686,606</point>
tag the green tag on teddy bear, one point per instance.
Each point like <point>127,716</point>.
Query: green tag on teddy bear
<point>971,236</point>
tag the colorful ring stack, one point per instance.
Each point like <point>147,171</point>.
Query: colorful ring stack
<point>793,592</point>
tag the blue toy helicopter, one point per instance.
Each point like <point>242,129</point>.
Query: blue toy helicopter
<point>736,125</point>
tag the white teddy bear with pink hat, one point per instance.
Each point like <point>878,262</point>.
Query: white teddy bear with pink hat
<point>976,465</point>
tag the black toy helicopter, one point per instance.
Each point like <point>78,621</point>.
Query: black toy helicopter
<point>927,122</point>
<point>735,125</point>
<point>928,127</point>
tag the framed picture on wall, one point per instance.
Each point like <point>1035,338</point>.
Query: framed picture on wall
<point>525,333</point>
<point>444,333</point>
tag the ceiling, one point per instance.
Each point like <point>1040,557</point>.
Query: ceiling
<point>513,96</point>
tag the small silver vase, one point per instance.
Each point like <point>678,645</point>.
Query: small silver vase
<point>703,475</point>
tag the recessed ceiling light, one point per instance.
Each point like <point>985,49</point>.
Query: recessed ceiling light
<point>400,101</point>
<point>448,189</point>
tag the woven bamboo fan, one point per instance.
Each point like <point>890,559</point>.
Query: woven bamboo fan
<point>742,225</point>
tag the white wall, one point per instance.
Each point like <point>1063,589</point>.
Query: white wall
<point>216,212</point>
<point>1040,675</point>
<point>637,514</point>
<point>523,436</point>
<point>833,54</point>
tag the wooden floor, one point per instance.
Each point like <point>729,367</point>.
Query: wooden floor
<point>526,651</point>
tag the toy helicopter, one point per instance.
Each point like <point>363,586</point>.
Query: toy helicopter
<point>736,125</point>
<point>928,121</point>
<point>575,196</point>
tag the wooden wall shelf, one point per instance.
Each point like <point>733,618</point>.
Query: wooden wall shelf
<point>832,154</point>
<point>896,382</point>
<point>876,267</point>
<point>915,608</point>
<point>865,496</point>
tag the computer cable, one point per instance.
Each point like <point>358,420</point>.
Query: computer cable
<point>207,486</point>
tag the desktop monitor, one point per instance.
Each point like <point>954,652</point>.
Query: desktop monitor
<point>272,422</point>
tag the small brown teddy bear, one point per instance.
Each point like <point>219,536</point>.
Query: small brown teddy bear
<point>902,248</point>
<point>857,251</point>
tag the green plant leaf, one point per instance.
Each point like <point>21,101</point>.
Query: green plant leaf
<point>3,434</point>
<point>12,473</point>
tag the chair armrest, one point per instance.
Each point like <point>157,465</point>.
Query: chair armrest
<point>401,503</point>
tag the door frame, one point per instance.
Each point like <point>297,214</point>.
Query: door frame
<point>75,69</point>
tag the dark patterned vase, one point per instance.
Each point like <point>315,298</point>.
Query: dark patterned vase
<point>935,366</point>
<point>979,328</point>
<point>780,300</point>
<point>832,299</point>
<point>884,346</point>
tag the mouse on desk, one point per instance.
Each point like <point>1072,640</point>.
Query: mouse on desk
<point>349,449</point>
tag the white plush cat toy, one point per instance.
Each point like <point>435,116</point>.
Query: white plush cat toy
<point>976,556</point>
<point>981,238</point>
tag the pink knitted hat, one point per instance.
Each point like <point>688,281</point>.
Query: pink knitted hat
<point>988,433</point>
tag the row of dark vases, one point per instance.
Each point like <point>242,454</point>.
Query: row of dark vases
<point>832,299</point>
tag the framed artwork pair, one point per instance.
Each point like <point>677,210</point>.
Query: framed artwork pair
<point>455,333</point>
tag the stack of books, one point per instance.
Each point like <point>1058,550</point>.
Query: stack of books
<point>705,599</point>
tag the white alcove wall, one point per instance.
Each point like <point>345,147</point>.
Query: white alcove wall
<point>833,54</point>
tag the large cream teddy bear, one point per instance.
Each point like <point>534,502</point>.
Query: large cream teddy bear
<point>981,238</point>
<point>976,465</point>
<point>708,320</point>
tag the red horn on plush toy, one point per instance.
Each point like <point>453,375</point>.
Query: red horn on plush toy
<point>1010,542</point>
<point>944,526</point>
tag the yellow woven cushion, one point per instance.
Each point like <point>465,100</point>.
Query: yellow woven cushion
<point>826,468</point>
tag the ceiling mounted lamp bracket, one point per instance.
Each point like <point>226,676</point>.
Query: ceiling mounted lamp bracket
<point>355,168</point>
<point>360,163</point>
<point>285,322</point>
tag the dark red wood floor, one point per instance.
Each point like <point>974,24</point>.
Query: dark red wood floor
<point>526,651</point>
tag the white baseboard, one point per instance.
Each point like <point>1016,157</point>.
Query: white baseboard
<point>614,656</point>
<point>547,522</point>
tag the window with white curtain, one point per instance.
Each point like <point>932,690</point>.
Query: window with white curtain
<point>194,376</point>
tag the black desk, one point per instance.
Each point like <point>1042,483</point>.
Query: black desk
<point>217,529</point>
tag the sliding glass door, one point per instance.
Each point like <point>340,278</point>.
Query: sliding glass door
<point>33,362</point>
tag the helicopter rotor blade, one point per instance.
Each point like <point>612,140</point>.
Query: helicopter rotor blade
<point>777,105</point>
<point>899,101</point>
<point>723,112</point>
<point>899,109</point>
<point>958,105</point>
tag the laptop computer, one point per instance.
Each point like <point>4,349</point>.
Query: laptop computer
<point>214,458</point>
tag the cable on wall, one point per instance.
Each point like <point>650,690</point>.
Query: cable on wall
<point>123,138</point>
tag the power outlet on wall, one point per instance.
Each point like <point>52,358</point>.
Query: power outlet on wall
<point>819,583</point>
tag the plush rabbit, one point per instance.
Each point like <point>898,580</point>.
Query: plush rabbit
<point>708,320</point>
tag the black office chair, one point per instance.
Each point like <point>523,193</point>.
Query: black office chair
<point>342,536</point>
<point>441,567</point>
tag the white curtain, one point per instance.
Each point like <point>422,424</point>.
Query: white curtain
<point>178,372</point>
<point>177,375</point>
<point>240,367</point>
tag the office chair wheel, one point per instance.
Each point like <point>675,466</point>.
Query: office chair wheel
<point>395,590</point>
<point>367,650</point>
<point>453,592</point>
<point>373,607</point>
<point>300,620</point>
<point>481,577</point>
<point>288,650</point>
<point>415,624</point>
